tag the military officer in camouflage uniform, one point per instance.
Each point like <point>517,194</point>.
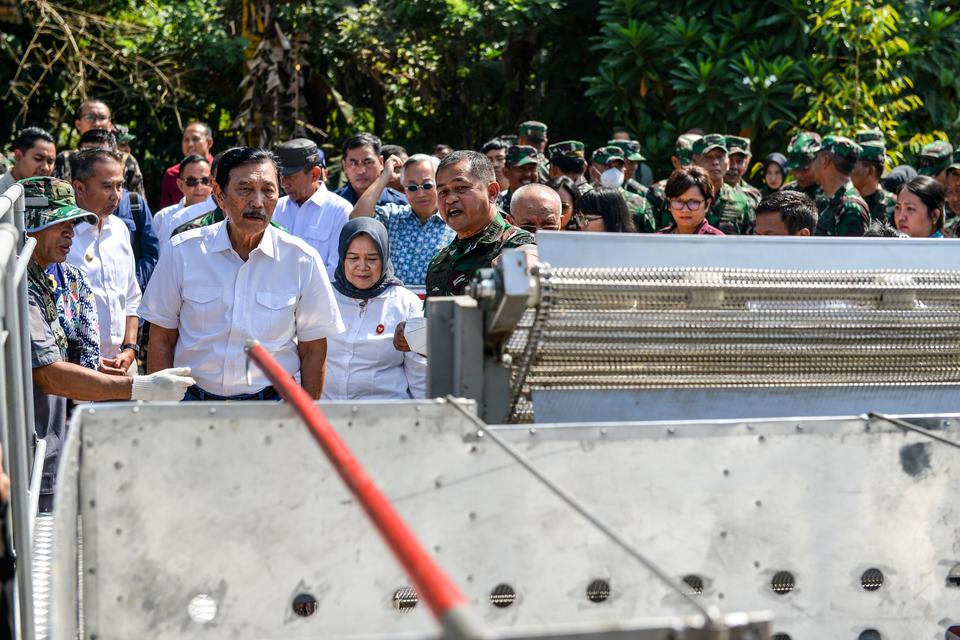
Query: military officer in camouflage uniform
<point>467,190</point>
<point>801,151</point>
<point>738,151</point>
<point>952,206</point>
<point>935,159</point>
<point>866,180</point>
<point>611,157</point>
<point>521,167</point>
<point>844,213</point>
<point>682,157</point>
<point>632,159</point>
<point>730,211</point>
<point>568,158</point>
<point>534,134</point>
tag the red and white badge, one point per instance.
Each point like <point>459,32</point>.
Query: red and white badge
<point>380,329</point>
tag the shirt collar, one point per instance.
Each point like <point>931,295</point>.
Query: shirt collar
<point>267,246</point>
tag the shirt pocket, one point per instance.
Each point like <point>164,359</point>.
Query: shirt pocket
<point>203,309</point>
<point>275,316</point>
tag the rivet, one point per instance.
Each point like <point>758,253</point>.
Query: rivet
<point>603,432</point>
<point>726,472</point>
<point>671,430</point>
<point>91,411</point>
<point>533,431</point>
<point>135,409</point>
<point>759,503</point>
<point>213,410</point>
<point>799,427</point>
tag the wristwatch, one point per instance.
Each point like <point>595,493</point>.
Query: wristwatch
<point>132,346</point>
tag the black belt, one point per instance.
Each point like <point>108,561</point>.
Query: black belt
<point>267,393</point>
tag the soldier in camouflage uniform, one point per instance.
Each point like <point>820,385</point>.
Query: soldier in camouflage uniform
<point>521,167</point>
<point>612,157</point>
<point>952,206</point>
<point>738,150</point>
<point>682,157</point>
<point>467,192</point>
<point>632,159</point>
<point>844,213</point>
<point>568,158</point>
<point>534,134</point>
<point>935,159</point>
<point>866,179</point>
<point>801,151</point>
<point>731,211</point>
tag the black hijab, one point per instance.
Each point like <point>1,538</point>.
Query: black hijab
<point>378,233</point>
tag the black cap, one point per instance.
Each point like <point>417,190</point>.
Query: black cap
<point>298,154</point>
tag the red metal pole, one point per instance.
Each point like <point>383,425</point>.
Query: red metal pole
<point>444,598</point>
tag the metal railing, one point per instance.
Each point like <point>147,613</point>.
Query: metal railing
<point>17,419</point>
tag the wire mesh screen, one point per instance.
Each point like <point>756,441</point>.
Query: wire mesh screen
<point>692,327</point>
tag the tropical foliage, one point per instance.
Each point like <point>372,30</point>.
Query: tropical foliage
<point>462,71</point>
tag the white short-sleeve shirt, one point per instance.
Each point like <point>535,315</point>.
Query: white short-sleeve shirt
<point>362,363</point>
<point>106,256</point>
<point>218,301</point>
<point>318,221</point>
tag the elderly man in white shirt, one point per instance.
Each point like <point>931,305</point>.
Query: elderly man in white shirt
<point>219,286</point>
<point>195,183</point>
<point>103,251</point>
<point>308,210</point>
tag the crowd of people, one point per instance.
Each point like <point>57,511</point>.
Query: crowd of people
<point>252,244</point>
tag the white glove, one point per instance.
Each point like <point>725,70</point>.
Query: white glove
<point>169,384</point>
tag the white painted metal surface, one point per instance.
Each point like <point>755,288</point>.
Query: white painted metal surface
<point>235,503</point>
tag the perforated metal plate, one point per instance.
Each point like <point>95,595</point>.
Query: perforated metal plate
<point>200,524</point>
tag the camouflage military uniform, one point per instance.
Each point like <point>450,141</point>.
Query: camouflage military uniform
<point>533,131</point>
<point>730,212</point>
<point>881,205</point>
<point>845,213</point>
<point>657,199</point>
<point>814,191</point>
<point>752,194</point>
<point>640,211</point>
<point>451,269</point>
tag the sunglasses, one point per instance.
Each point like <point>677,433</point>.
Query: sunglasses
<point>192,182</point>
<point>413,188</point>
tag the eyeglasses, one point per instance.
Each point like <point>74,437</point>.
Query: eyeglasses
<point>426,186</point>
<point>95,117</point>
<point>691,205</point>
<point>192,182</point>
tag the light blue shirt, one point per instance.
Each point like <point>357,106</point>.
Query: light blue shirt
<point>412,244</point>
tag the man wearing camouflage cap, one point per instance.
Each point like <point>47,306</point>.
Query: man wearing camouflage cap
<point>935,158</point>
<point>631,161</point>
<point>731,211</point>
<point>866,180</point>
<point>50,216</point>
<point>534,134</point>
<point>656,197</point>
<point>521,167</point>
<point>606,168</point>
<point>842,212</point>
<point>738,153</point>
<point>568,158</point>
<point>801,150</point>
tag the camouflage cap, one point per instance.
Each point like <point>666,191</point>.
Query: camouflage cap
<point>519,155</point>
<point>738,144</point>
<point>606,155</point>
<point>870,135</point>
<point>935,157</point>
<point>955,164</point>
<point>872,151</point>
<point>684,147</point>
<point>122,133</point>
<point>49,201</point>
<point>533,130</point>
<point>630,148</point>
<point>841,147</point>
<point>568,148</point>
<point>802,148</point>
<point>709,142</point>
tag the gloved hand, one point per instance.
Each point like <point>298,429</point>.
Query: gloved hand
<point>168,384</point>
